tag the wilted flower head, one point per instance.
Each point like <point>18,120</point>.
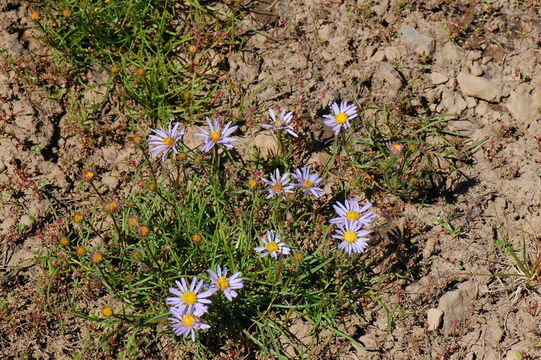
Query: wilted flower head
<point>396,148</point>
<point>216,136</point>
<point>280,124</point>
<point>272,245</point>
<point>352,236</point>
<point>343,113</point>
<point>220,282</point>
<point>308,182</point>
<point>185,323</point>
<point>190,299</point>
<point>165,140</point>
<point>278,184</point>
<point>350,211</point>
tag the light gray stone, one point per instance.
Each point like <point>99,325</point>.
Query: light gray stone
<point>452,102</point>
<point>392,53</point>
<point>26,220</point>
<point>457,305</point>
<point>525,106</point>
<point>379,56</point>
<point>476,69</point>
<point>110,181</point>
<point>421,44</point>
<point>478,87</point>
<point>386,80</point>
<point>434,318</point>
<point>438,78</point>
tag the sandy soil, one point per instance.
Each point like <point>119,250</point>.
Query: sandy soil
<point>303,56</point>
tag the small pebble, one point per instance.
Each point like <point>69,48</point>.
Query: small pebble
<point>433,318</point>
<point>27,220</point>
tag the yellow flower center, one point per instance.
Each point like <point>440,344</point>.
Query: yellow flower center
<point>352,215</point>
<point>277,187</point>
<point>189,297</point>
<point>307,184</point>
<point>169,141</point>
<point>188,320</point>
<point>350,236</point>
<point>222,283</point>
<point>252,183</point>
<point>341,118</point>
<point>277,123</point>
<point>272,247</point>
<point>215,136</point>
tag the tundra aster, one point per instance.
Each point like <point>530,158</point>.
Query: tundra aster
<point>343,113</point>
<point>308,182</point>
<point>272,245</point>
<point>220,282</point>
<point>216,135</point>
<point>165,140</point>
<point>350,211</point>
<point>352,236</point>
<point>185,323</point>
<point>280,124</point>
<point>190,298</point>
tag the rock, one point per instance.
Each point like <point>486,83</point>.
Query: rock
<point>478,87</point>
<point>476,69</point>
<point>482,108</point>
<point>471,102</point>
<point>438,78</point>
<point>420,43</point>
<point>449,54</point>
<point>386,80</point>
<point>26,220</point>
<point>110,181</point>
<point>380,8</point>
<point>379,56</point>
<point>392,53</point>
<point>297,61</point>
<point>369,341</point>
<point>434,318</point>
<point>368,51</point>
<point>326,32</point>
<point>452,102</point>
<point>524,106</point>
<point>266,144</point>
<point>457,305</point>
<point>518,351</point>
<point>318,158</point>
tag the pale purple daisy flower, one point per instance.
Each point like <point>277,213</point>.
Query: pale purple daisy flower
<point>216,136</point>
<point>343,113</point>
<point>220,282</point>
<point>396,148</point>
<point>308,182</point>
<point>278,184</point>
<point>350,211</point>
<point>185,323</point>
<point>165,140</point>
<point>272,245</point>
<point>352,236</point>
<point>190,299</point>
<point>280,124</point>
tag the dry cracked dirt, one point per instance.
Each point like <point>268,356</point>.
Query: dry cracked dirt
<point>480,61</point>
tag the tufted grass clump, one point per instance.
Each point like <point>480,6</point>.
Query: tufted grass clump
<point>158,54</point>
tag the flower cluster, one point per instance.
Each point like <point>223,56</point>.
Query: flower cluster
<point>350,221</point>
<point>191,301</point>
<point>306,181</point>
<point>163,141</point>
